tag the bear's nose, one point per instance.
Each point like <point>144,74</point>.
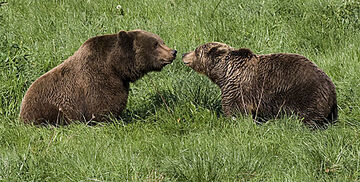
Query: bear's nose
<point>174,53</point>
<point>184,54</point>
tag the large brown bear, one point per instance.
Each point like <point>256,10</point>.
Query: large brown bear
<point>267,86</point>
<point>94,82</point>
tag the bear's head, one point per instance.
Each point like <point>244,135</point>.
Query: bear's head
<point>148,50</point>
<point>206,56</point>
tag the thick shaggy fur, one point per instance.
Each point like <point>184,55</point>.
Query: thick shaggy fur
<point>267,86</point>
<point>94,81</point>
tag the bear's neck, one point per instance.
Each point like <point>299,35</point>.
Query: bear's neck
<point>124,65</point>
<point>127,70</point>
<point>233,72</point>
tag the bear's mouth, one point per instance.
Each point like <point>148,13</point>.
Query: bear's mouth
<point>185,62</point>
<point>186,58</point>
<point>166,62</point>
<point>169,61</point>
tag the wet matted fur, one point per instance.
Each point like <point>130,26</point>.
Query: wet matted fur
<point>267,86</point>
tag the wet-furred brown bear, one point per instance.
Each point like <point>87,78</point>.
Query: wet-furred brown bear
<point>267,86</point>
<point>94,82</point>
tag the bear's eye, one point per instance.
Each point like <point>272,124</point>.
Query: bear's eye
<point>156,44</point>
<point>199,53</point>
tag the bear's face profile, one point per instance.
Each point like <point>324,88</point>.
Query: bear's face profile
<point>150,51</point>
<point>205,56</point>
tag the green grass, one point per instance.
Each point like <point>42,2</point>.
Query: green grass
<point>187,137</point>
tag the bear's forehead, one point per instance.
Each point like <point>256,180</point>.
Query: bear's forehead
<point>148,35</point>
<point>210,45</point>
<point>218,44</point>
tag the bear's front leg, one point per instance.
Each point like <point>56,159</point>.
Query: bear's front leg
<point>231,108</point>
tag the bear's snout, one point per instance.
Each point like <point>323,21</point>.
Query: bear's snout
<point>187,58</point>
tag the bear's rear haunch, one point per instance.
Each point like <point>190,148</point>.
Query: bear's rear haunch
<point>267,86</point>
<point>94,82</point>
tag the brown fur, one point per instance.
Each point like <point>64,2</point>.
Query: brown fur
<point>267,86</point>
<point>94,81</point>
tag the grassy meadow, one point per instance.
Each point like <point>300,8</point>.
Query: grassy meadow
<point>173,128</point>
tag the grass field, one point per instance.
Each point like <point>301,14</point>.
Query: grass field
<point>186,137</point>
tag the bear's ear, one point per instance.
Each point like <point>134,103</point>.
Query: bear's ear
<point>217,51</point>
<point>125,39</point>
<point>122,35</point>
<point>243,53</point>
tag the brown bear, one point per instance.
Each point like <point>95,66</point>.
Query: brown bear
<point>94,82</point>
<point>267,86</point>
